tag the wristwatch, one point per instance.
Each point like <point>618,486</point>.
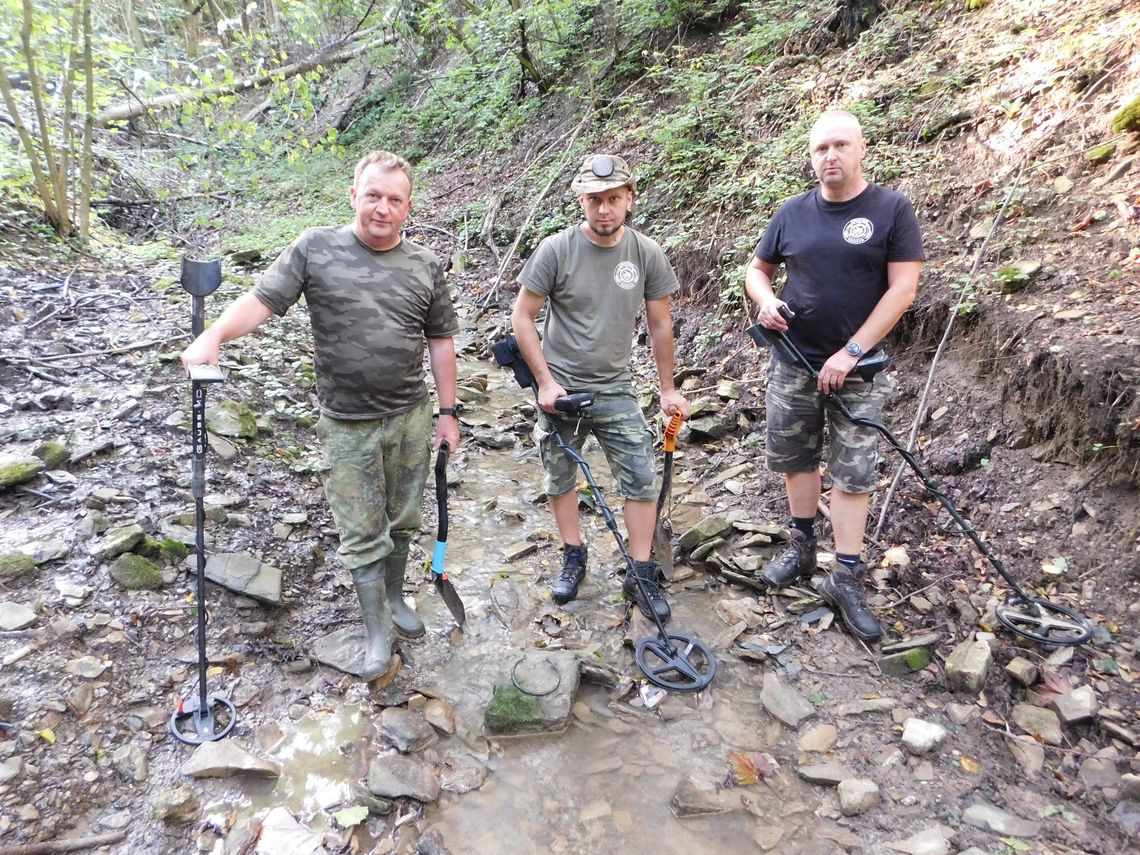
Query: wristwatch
<point>853,348</point>
<point>448,411</point>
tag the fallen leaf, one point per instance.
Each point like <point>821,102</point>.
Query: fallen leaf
<point>348,817</point>
<point>970,764</point>
<point>748,769</point>
<point>991,717</point>
<point>47,734</point>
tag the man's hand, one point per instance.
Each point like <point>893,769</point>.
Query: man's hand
<point>446,430</point>
<point>769,315</point>
<point>202,351</point>
<point>548,393</point>
<point>674,402</point>
<point>834,372</point>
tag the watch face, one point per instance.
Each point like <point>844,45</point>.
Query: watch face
<point>854,349</point>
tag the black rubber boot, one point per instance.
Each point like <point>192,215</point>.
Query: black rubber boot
<point>408,623</point>
<point>653,600</point>
<point>378,626</point>
<point>844,590</point>
<point>565,587</point>
<point>797,559</point>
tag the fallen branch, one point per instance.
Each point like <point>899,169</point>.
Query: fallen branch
<point>73,844</point>
<point>108,352</point>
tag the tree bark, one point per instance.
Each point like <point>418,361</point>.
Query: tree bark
<point>132,22</point>
<point>85,164</point>
<point>131,109</point>
<point>43,187</point>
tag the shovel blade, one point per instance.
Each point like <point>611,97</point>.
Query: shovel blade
<point>450,597</point>
<point>663,548</point>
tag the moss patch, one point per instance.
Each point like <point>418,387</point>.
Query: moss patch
<point>909,661</point>
<point>510,711</point>
<point>1101,153</point>
<point>15,563</point>
<point>53,454</point>
<point>1127,118</point>
<point>134,572</point>
<point>18,471</point>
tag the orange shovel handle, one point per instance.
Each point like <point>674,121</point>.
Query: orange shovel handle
<point>671,431</point>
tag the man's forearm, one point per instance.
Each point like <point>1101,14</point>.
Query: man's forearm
<point>243,316</point>
<point>441,356</point>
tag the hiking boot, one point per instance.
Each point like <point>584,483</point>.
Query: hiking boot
<point>648,594</point>
<point>408,623</point>
<point>797,559</point>
<point>844,590</point>
<point>565,587</point>
<point>380,635</point>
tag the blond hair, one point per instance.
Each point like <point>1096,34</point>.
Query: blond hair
<point>386,161</point>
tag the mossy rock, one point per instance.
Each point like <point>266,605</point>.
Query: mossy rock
<point>1101,153</point>
<point>53,454</point>
<point>511,711</point>
<point>17,470</point>
<point>907,662</point>
<point>1127,118</point>
<point>135,573</point>
<point>15,564</point>
<point>232,418</point>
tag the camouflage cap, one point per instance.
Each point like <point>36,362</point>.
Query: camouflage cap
<point>602,172</point>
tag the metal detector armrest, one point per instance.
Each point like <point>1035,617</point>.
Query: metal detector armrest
<point>870,365</point>
<point>776,340</point>
<point>507,355</point>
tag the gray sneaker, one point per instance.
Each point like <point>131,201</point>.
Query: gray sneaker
<point>797,559</point>
<point>844,590</point>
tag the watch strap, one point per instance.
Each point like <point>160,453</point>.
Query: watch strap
<point>447,411</point>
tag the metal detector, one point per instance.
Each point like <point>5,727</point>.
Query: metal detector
<point>671,660</point>
<point>208,717</point>
<point>1029,617</point>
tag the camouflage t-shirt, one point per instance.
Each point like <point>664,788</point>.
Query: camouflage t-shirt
<point>370,312</point>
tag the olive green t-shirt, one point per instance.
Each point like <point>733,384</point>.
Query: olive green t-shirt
<point>594,294</point>
<point>370,312</point>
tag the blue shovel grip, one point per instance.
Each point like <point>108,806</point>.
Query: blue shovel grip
<point>437,557</point>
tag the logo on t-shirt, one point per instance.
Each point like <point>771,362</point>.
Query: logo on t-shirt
<point>858,230</point>
<point>626,275</point>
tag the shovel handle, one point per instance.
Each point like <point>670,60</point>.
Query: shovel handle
<point>671,431</point>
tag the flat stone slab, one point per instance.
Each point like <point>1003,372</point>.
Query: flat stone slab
<point>246,574</point>
<point>868,705</point>
<point>1078,705</point>
<point>281,832</point>
<point>225,758</point>
<point>117,541</point>
<point>929,841</point>
<point>540,702</point>
<point>342,649</point>
<point>1038,722</point>
<point>406,729</point>
<point>827,774</point>
<point>784,703</point>
<point>395,775</point>
<point>43,551</point>
<point>857,795</point>
<point>986,816</point>
<point>14,616</point>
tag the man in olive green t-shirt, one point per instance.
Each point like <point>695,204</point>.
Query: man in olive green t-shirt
<point>373,300</point>
<point>594,278</point>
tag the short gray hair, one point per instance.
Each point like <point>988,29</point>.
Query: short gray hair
<point>386,161</point>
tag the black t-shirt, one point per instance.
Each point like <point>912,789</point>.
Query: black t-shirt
<point>836,255</point>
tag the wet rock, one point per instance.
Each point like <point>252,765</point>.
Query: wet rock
<point>968,665</point>
<point>867,705</point>
<point>244,573</point>
<point>16,469</point>
<point>10,768</point>
<point>462,774</point>
<point>711,426</point>
<point>406,729</point>
<point>554,673</point>
<point>1100,770</point>
<point>117,541</point>
<point>784,703</point>
<point>706,529</point>
<point>1126,815</point>
<point>492,438</point>
<point>1038,722</point>
<point>1022,670</point>
<point>394,775</point>
<point>962,713</point>
<point>231,418</point>
<point>1028,753</point>
<point>692,799</point>
<point>857,795</point>
<point>521,549</point>
<point>1078,705</point>
<point>136,573</point>
<point>440,715</point>
<point>990,818</point>
<point>43,551</point>
<point>14,564</point>
<point>177,806</point>
<point>929,841</point>
<point>281,832</point>
<point>53,454</point>
<point>905,662</point>
<point>224,758</point>
<point>73,593</point>
<point>819,739</point>
<point>826,774</point>
<point>922,737</point>
<point>15,616</point>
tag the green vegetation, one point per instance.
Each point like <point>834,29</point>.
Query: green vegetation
<point>134,572</point>
<point>15,564</point>
<point>510,710</point>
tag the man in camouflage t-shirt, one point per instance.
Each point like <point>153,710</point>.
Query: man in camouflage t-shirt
<point>594,279</point>
<point>373,299</point>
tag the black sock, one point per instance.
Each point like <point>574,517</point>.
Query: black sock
<point>806,525</point>
<point>849,561</point>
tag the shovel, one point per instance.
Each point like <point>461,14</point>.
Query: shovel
<point>438,575</point>
<point>663,532</point>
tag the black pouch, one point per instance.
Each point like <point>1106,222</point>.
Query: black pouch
<point>507,355</point>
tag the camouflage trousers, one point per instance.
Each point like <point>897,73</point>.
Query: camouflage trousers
<point>375,479</point>
<point>796,419</point>
<point>616,422</point>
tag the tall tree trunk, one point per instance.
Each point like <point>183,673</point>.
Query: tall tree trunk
<point>220,22</point>
<point>191,21</point>
<point>55,215</point>
<point>85,165</point>
<point>43,186</point>
<point>132,22</point>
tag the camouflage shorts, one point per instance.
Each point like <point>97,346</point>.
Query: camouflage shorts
<point>375,479</point>
<point>795,426</point>
<point>617,423</point>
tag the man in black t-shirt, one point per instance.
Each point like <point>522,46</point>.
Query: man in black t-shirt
<point>853,255</point>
